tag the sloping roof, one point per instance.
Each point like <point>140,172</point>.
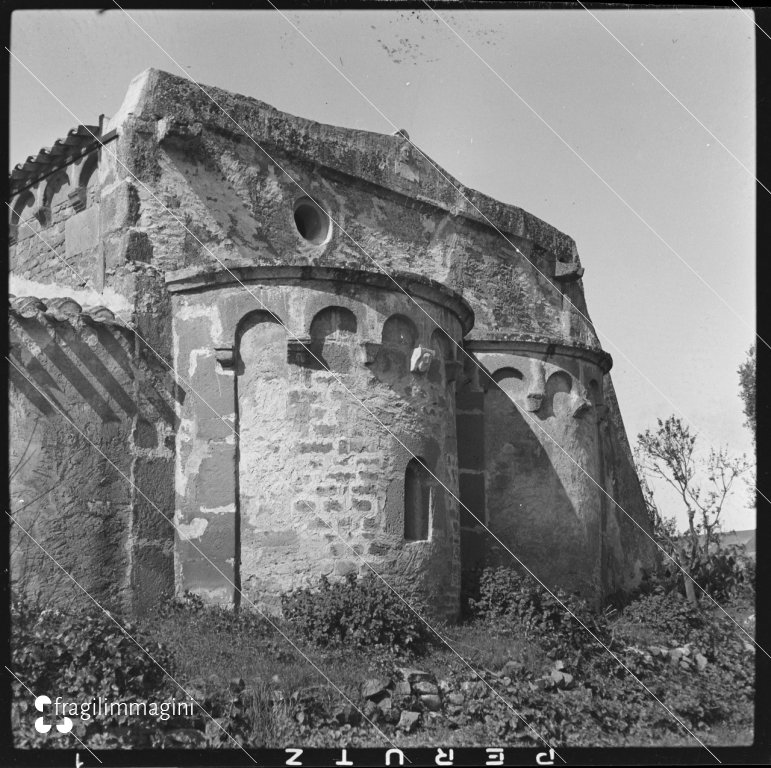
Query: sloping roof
<point>60,309</point>
<point>78,141</point>
<point>181,108</point>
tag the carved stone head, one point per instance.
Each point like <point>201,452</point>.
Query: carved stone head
<point>421,359</point>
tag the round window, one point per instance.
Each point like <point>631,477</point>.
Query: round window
<point>311,221</point>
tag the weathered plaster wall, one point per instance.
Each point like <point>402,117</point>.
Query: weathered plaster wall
<point>79,373</point>
<point>539,465</point>
<point>210,194</point>
<point>312,478</point>
<point>181,188</point>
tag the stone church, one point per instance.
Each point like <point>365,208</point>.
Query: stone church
<point>248,349</point>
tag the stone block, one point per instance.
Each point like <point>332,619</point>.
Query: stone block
<point>119,208</point>
<point>81,231</point>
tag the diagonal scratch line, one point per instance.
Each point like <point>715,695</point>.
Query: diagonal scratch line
<point>605,183</point>
<point>431,319</point>
<point>237,435</point>
<point>121,627</point>
<point>203,555</point>
<point>751,19</point>
<point>310,352</point>
<point>676,98</point>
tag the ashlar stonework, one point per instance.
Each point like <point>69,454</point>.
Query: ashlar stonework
<point>299,350</point>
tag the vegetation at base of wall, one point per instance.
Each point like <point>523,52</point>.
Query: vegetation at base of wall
<point>357,613</point>
<point>719,573</point>
<point>82,657</point>
<point>252,687</point>
<point>515,600</point>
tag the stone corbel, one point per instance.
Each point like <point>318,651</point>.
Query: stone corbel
<point>567,272</point>
<point>369,351</point>
<point>422,357</point>
<point>298,351</point>
<point>580,406</point>
<point>225,356</point>
<point>537,389</point>
<point>579,400</point>
<point>78,198</point>
<point>179,133</point>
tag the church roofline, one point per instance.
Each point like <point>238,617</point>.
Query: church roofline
<point>387,160</point>
<point>79,141</point>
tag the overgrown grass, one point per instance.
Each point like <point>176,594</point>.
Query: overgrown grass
<point>519,656</point>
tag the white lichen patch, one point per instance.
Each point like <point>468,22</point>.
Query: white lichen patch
<point>192,530</point>
<point>223,510</point>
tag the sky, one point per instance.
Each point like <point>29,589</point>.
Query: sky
<point>544,110</point>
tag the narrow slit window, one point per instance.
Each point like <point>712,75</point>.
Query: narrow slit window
<point>417,501</point>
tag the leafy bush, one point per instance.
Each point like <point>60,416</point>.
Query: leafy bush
<point>722,573</point>
<point>669,615</point>
<point>83,657</point>
<point>193,614</point>
<point>508,598</point>
<point>356,612</point>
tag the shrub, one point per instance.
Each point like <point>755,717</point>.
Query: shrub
<point>356,612</point>
<point>722,573</point>
<point>193,615</point>
<point>83,657</point>
<point>511,599</point>
<point>669,615</point>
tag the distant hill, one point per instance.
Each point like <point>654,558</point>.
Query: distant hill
<point>739,537</point>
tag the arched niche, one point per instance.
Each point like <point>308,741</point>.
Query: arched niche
<point>87,176</point>
<point>443,345</point>
<point>444,348</point>
<point>19,213</point>
<point>258,339</point>
<point>399,331</point>
<point>510,381</point>
<point>55,193</point>
<point>557,398</point>
<point>398,339</point>
<point>333,335</point>
<point>417,501</point>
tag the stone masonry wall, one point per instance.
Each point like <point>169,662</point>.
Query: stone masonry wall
<point>154,219</point>
<point>312,476</point>
<point>210,195</point>
<point>58,215</point>
<point>531,427</point>
<point>80,399</point>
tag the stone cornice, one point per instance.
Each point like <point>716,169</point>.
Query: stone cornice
<point>540,346</point>
<point>208,277</point>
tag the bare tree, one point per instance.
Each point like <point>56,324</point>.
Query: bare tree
<point>703,486</point>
